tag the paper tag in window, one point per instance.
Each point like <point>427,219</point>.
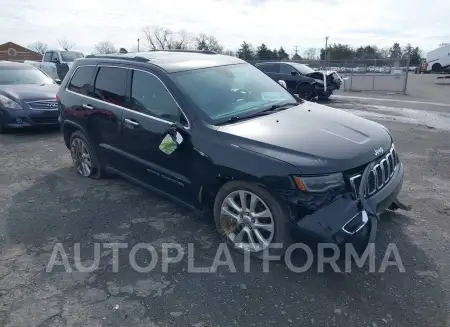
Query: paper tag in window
<point>168,145</point>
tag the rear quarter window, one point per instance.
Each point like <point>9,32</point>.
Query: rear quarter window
<point>81,81</point>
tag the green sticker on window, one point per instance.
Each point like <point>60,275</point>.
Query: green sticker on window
<point>168,145</point>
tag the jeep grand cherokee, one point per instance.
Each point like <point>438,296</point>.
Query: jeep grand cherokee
<point>221,137</point>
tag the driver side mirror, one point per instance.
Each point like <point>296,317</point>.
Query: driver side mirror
<point>293,73</point>
<point>55,60</point>
<point>172,139</point>
<point>282,83</point>
<point>58,81</point>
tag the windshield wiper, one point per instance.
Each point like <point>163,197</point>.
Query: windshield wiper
<point>280,106</point>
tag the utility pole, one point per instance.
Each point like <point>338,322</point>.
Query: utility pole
<point>326,48</point>
<point>138,45</point>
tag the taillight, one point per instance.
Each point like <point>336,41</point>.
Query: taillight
<point>57,98</point>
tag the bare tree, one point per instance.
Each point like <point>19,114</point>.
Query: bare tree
<point>310,53</point>
<point>105,47</point>
<point>39,47</point>
<point>229,53</point>
<point>65,44</point>
<point>161,38</point>
<point>208,42</point>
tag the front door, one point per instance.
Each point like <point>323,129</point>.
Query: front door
<point>151,112</point>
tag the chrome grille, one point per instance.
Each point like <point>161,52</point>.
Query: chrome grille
<point>379,176</point>
<point>43,105</point>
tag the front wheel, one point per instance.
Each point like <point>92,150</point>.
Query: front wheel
<point>251,220</point>
<point>305,92</point>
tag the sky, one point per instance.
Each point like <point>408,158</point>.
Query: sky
<point>287,23</point>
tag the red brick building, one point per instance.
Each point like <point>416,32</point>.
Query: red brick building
<point>13,52</point>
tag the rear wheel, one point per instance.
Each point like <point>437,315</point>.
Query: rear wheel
<point>249,219</point>
<point>84,157</point>
<point>436,67</point>
<point>305,91</point>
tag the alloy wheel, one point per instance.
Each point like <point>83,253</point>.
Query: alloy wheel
<point>247,221</point>
<point>81,157</point>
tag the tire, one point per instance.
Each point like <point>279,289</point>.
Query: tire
<point>305,91</point>
<point>324,97</point>
<point>281,231</point>
<point>436,67</point>
<point>96,171</point>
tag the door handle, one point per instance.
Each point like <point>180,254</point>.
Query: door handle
<point>88,106</point>
<point>131,122</point>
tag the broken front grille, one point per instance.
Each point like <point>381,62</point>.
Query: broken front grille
<point>379,176</point>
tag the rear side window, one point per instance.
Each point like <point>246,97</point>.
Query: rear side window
<point>110,85</point>
<point>150,96</point>
<point>81,81</point>
<point>269,68</point>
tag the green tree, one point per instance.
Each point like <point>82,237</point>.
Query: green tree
<point>282,55</point>
<point>263,53</point>
<point>338,52</point>
<point>416,56</point>
<point>208,42</point>
<point>296,56</point>
<point>395,52</point>
<point>275,54</point>
<point>246,51</point>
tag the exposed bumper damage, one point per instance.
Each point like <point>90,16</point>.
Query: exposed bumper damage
<point>350,220</point>
<point>326,82</point>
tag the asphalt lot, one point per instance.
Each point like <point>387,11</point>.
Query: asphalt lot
<point>44,202</point>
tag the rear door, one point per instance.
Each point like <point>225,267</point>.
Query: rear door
<point>104,109</point>
<point>285,74</point>
<point>152,111</point>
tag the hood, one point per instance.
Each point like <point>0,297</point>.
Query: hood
<point>30,92</point>
<point>314,138</point>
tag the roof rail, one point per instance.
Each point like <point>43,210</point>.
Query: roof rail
<point>126,57</point>
<point>182,50</point>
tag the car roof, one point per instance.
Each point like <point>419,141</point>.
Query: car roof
<point>172,61</point>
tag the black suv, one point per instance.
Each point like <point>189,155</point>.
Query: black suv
<point>218,135</point>
<point>303,80</point>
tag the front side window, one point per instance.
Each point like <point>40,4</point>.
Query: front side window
<point>224,92</point>
<point>110,85</point>
<point>25,74</point>
<point>81,81</point>
<point>54,56</point>
<point>303,69</point>
<point>286,69</point>
<point>150,96</point>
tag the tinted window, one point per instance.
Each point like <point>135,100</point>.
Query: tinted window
<point>286,69</point>
<point>81,81</point>
<point>150,96</point>
<point>110,85</point>
<point>303,69</point>
<point>47,56</point>
<point>268,68</point>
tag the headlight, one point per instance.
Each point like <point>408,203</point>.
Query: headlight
<point>319,183</point>
<point>8,103</point>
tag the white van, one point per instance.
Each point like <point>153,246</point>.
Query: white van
<point>439,59</point>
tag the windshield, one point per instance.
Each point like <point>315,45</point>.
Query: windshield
<point>230,91</point>
<point>303,69</point>
<point>23,75</point>
<point>69,56</point>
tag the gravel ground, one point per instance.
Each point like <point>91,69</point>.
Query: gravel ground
<point>43,202</point>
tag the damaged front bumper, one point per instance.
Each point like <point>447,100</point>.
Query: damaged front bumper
<point>346,219</point>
